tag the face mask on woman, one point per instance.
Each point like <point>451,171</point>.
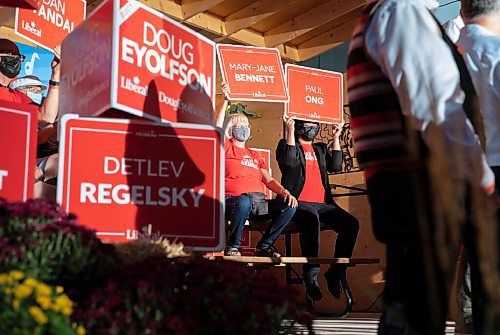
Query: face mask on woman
<point>10,66</point>
<point>35,97</point>
<point>307,133</point>
<point>241,134</point>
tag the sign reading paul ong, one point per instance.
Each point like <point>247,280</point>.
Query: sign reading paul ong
<point>164,175</point>
<point>129,57</point>
<point>18,147</point>
<point>315,95</point>
<point>50,22</point>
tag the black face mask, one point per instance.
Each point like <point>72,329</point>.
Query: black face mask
<point>307,133</point>
<point>10,66</point>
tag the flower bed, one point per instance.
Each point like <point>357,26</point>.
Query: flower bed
<point>137,288</point>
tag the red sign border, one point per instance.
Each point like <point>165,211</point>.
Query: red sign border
<point>287,105</point>
<point>115,58</point>
<point>27,180</point>
<point>224,74</point>
<point>61,178</point>
<point>16,17</point>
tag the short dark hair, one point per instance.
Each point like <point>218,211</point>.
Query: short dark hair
<point>8,47</point>
<point>474,8</point>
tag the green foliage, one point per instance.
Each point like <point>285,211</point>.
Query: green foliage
<point>28,306</point>
<point>241,108</point>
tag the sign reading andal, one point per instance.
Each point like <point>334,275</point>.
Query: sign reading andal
<point>50,22</point>
<point>129,57</point>
<point>18,147</point>
<point>315,95</point>
<point>158,174</point>
<point>252,73</point>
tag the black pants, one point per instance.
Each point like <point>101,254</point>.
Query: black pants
<point>416,290</point>
<point>309,216</point>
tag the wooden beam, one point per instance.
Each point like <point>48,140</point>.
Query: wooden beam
<point>9,33</point>
<point>215,24</point>
<point>191,8</point>
<point>326,41</point>
<point>328,11</point>
<point>253,13</point>
<point>7,16</point>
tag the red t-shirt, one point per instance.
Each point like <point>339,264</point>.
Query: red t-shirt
<point>8,94</point>
<point>313,190</point>
<point>242,170</point>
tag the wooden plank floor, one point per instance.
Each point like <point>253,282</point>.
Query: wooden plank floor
<point>356,326</point>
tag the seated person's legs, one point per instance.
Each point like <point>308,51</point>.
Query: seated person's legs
<point>308,220</point>
<point>237,211</point>
<point>347,227</point>
<point>281,214</point>
<point>51,167</point>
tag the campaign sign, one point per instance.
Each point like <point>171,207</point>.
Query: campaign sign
<point>141,62</point>
<point>50,22</point>
<point>158,175</point>
<point>315,95</point>
<point>18,147</point>
<point>37,63</point>
<point>252,73</point>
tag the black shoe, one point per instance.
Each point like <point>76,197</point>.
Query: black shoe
<point>332,277</point>
<point>266,253</point>
<point>313,291</point>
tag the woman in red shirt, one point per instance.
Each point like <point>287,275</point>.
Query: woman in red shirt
<point>245,172</point>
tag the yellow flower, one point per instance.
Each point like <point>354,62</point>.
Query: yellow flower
<point>43,301</point>
<point>16,275</point>
<point>4,278</point>
<point>15,304</point>
<point>38,315</point>
<point>43,289</point>
<point>22,291</point>
<point>31,282</point>
<point>59,289</point>
<point>80,330</point>
<point>63,304</point>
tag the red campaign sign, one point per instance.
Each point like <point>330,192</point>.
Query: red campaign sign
<point>143,63</point>
<point>252,73</point>
<point>50,22</point>
<point>18,147</point>
<point>315,95</point>
<point>133,181</point>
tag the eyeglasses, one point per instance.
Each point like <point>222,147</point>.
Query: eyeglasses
<point>13,57</point>
<point>32,89</point>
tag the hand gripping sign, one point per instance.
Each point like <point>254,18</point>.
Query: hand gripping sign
<point>157,175</point>
<point>252,73</point>
<point>18,148</point>
<point>129,57</point>
<point>315,95</point>
<point>50,22</point>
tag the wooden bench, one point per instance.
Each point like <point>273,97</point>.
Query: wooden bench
<point>287,260</point>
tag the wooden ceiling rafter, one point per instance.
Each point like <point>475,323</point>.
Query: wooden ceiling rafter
<point>299,34</point>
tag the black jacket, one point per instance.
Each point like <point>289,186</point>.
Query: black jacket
<point>292,164</point>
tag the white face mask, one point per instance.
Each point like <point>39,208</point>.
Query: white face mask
<point>35,97</point>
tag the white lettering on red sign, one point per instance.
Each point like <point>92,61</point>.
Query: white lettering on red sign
<point>253,78</point>
<point>54,11</point>
<point>166,55</point>
<point>3,173</point>
<point>313,99</point>
<point>124,194</point>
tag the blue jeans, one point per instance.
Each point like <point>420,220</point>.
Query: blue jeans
<point>238,210</point>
